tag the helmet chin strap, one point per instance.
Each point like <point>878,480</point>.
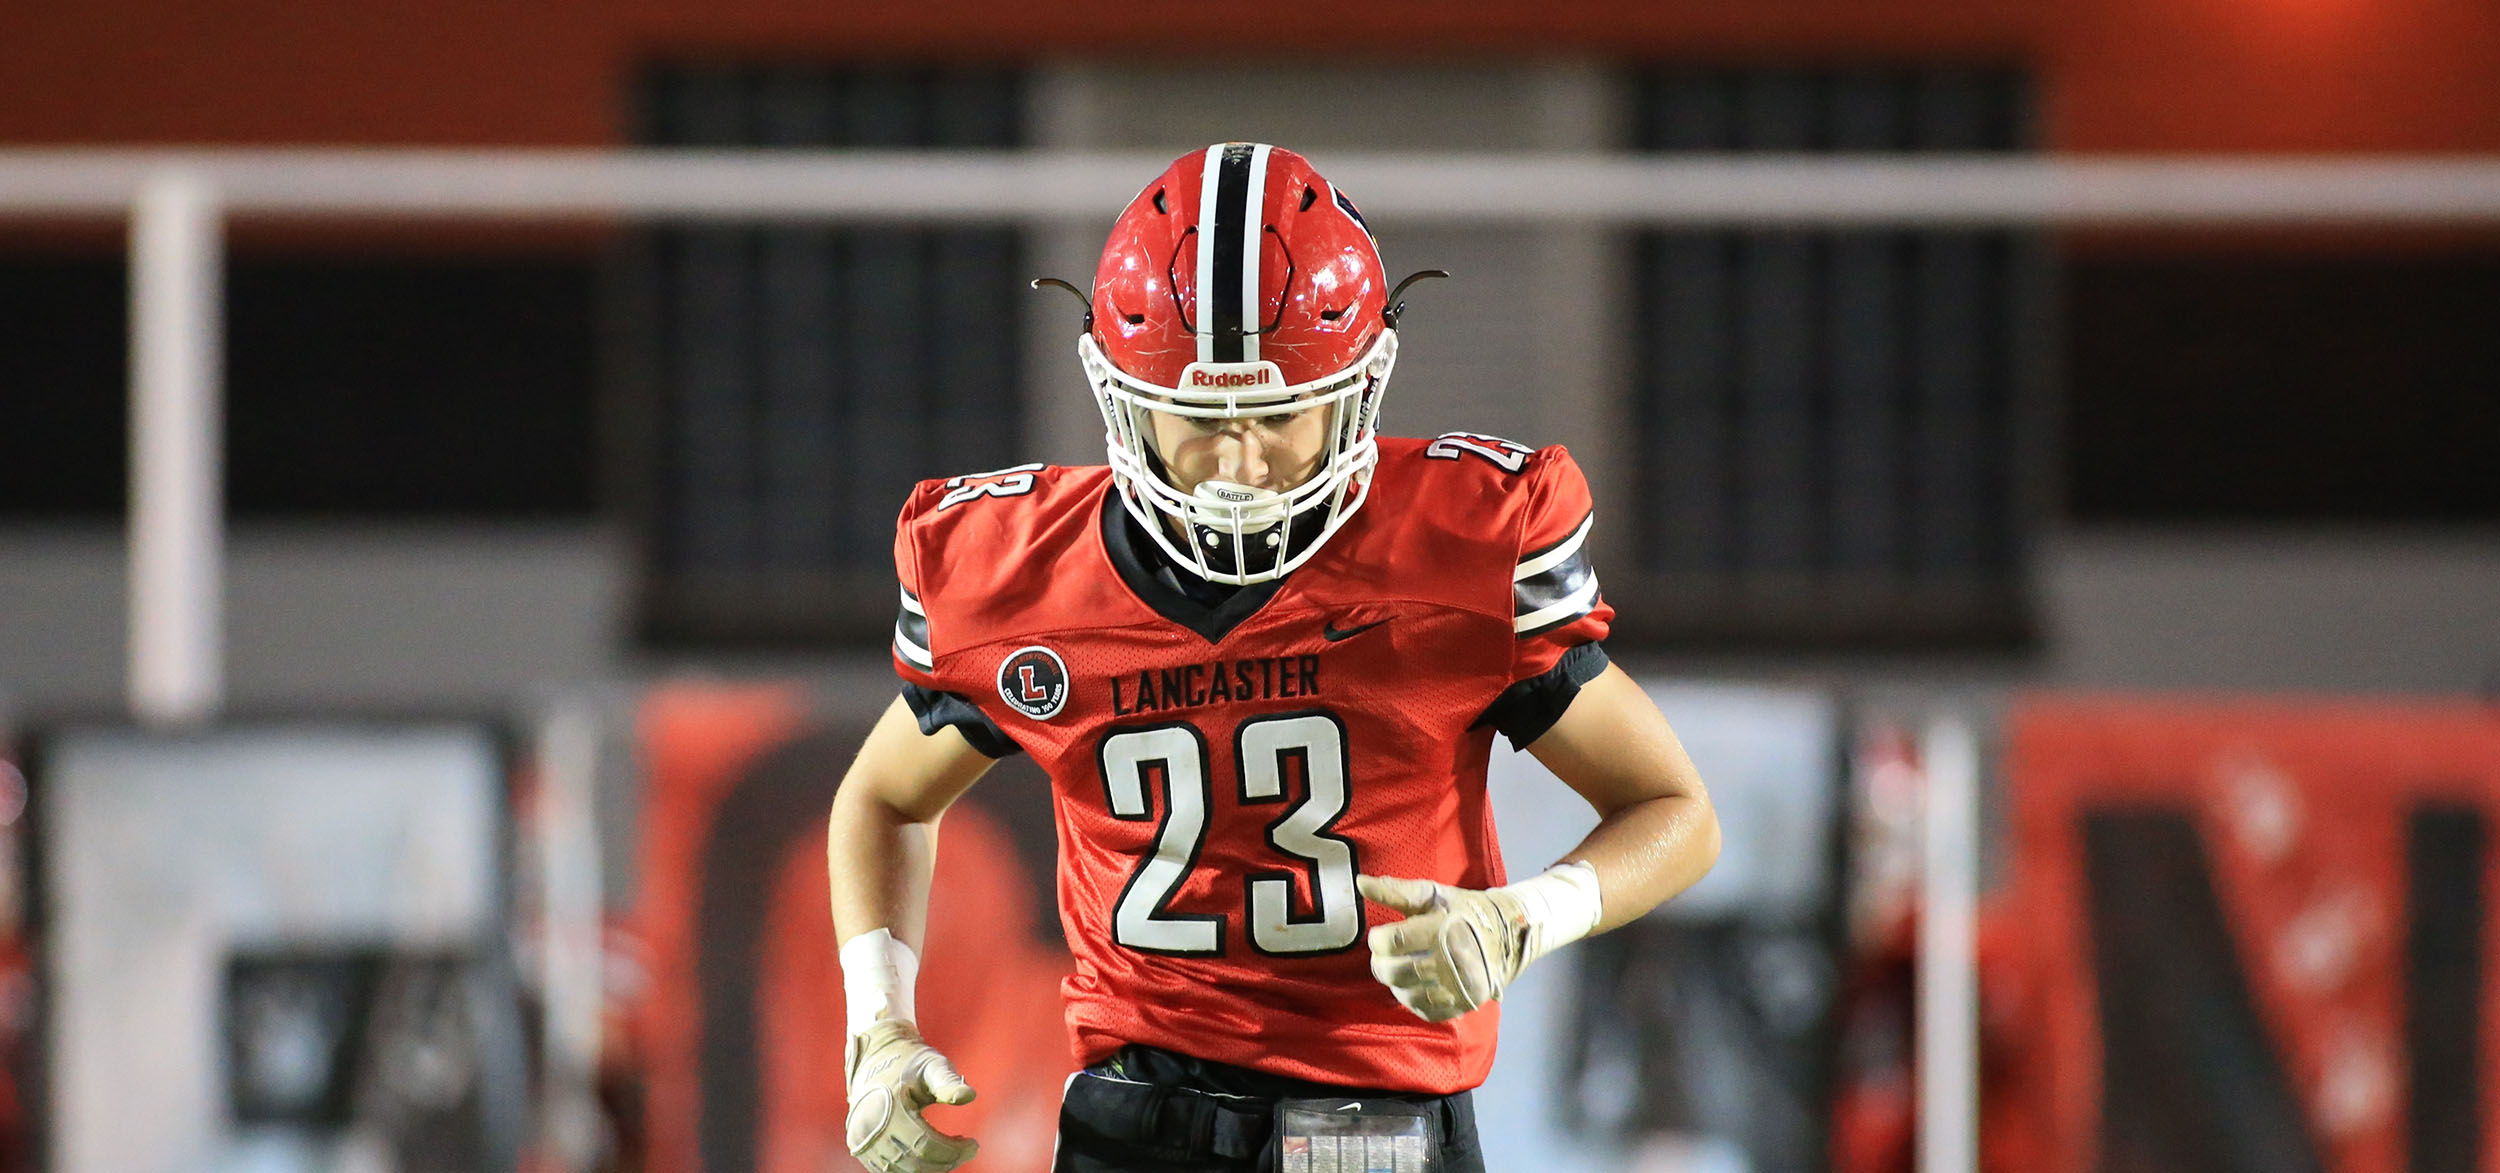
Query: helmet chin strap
<point>1268,535</point>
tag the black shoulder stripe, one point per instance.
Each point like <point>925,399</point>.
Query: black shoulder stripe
<point>911,634</point>
<point>1568,578</point>
<point>1555,584</point>
<point>1565,619</point>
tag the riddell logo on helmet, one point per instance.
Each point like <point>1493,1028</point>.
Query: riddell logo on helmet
<point>1230,376</point>
<point>1257,378</point>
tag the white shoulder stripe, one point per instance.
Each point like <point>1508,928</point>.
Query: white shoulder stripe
<point>1578,601</point>
<point>1556,556</point>
<point>911,604</point>
<point>913,653</point>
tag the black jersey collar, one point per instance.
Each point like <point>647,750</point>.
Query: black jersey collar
<point>1149,572</point>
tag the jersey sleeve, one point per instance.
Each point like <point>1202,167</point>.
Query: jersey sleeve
<point>1555,602</point>
<point>1528,708</point>
<point>932,703</point>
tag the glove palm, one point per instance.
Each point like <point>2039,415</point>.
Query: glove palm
<point>892,1076</point>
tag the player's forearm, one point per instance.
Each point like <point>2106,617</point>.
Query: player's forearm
<point>881,863</point>
<point>1647,852</point>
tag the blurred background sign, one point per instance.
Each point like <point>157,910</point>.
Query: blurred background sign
<point>273,947</point>
<point>2256,933</point>
<point>1696,1038</point>
<point>741,1026</point>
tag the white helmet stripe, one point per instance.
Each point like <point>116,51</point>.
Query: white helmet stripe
<point>1253,234</point>
<point>1210,183</point>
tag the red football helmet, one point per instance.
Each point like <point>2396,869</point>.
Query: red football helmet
<point>1240,285</point>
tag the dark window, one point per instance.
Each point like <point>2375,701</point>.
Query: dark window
<point>2272,387</point>
<point>64,402</point>
<point>357,387</point>
<point>794,381</point>
<point>1832,423</point>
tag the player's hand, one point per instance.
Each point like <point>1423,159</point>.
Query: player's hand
<point>893,1075</point>
<point>1456,949</point>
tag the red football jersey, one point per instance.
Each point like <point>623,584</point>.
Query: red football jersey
<point>1220,774</point>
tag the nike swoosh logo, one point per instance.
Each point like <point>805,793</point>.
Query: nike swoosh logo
<point>1333,633</point>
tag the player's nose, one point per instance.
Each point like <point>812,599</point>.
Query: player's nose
<point>1243,459</point>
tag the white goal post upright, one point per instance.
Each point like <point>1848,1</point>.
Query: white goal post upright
<point>177,494</point>
<point>178,199</point>
<point>572,959</point>
<point>1948,949</point>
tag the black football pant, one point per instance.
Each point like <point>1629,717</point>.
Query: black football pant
<point>1147,1110</point>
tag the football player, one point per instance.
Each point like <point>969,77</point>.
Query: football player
<point>1262,654</point>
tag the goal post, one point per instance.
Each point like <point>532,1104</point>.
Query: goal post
<point>942,186</point>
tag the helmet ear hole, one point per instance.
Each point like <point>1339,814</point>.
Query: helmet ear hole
<point>1133,319</point>
<point>1331,315</point>
<point>1309,197</point>
<point>1166,208</point>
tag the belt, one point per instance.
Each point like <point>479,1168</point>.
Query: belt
<point>1170,1123</point>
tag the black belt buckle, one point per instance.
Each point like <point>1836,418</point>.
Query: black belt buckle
<point>1352,1134</point>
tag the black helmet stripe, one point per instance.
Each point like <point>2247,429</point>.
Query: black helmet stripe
<point>1228,251</point>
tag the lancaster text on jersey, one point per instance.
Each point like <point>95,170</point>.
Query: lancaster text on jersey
<point>1192,685</point>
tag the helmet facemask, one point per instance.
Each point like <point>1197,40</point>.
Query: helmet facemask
<point>1238,287</point>
<point>1241,534</point>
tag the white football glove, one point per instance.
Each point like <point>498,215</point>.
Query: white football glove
<point>893,1076</point>
<point>1458,948</point>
